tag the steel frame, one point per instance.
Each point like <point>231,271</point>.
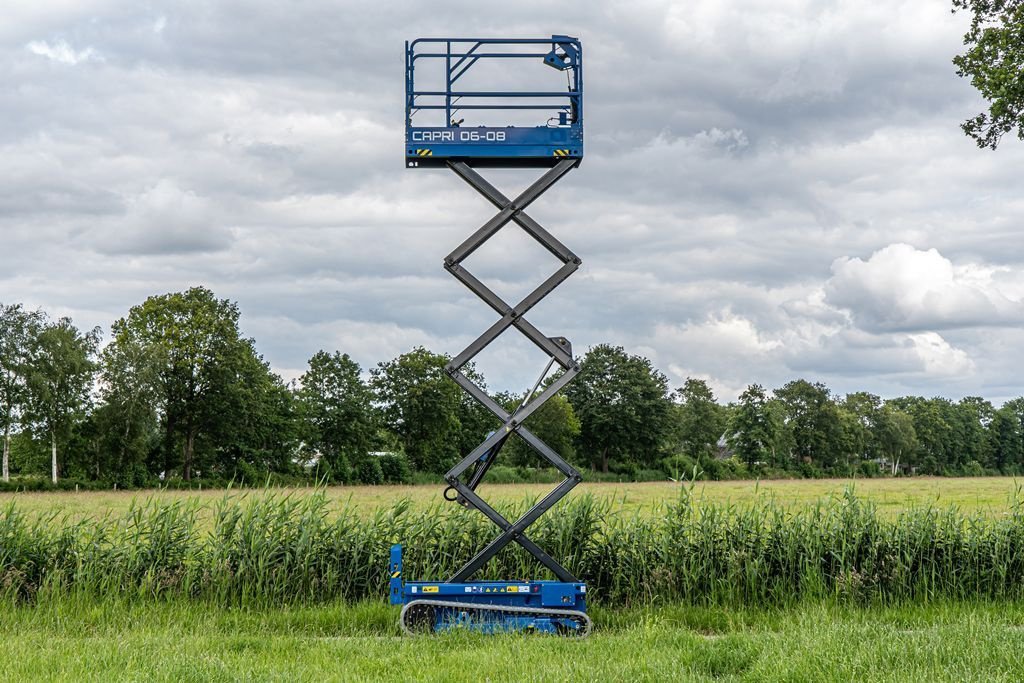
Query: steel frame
<point>500,48</point>
<point>558,349</point>
<point>429,145</point>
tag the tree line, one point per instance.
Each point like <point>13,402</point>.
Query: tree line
<point>178,396</point>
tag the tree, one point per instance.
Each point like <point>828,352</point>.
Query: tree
<point>201,374</point>
<point>420,404</point>
<point>18,329</point>
<point>994,61</point>
<point>864,410</point>
<point>938,449</point>
<point>555,423</point>
<point>701,419</point>
<point>59,383</point>
<point>623,407</point>
<point>1005,440</point>
<point>251,427</point>
<point>114,445</point>
<point>1009,438</point>
<point>127,419</point>
<point>895,435</point>
<point>475,421</point>
<point>813,420</point>
<point>337,412</point>
<point>972,416</point>
<point>753,428</point>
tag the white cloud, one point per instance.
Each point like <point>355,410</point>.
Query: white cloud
<point>903,288</point>
<point>720,349</point>
<point>61,52</point>
<point>164,219</point>
<point>730,335</point>
<point>939,358</point>
<point>734,151</point>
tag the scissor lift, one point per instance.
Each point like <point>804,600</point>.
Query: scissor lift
<point>557,606</point>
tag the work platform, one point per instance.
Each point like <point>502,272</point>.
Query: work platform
<point>458,136</point>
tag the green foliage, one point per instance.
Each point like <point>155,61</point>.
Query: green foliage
<point>724,469</point>
<point>701,420</point>
<point>555,423</point>
<point>336,408</point>
<point>505,474</point>
<point>255,423</point>
<point>113,444</point>
<point>395,468</point>
<point>217,401</point>
<point>895,435</point>
<point>368,471</point>
<point>1006,438</point>
<point>421,405</point>
<point>753,430</point>
<point>861,413</point>
<point>18,331</point>
<point>475,421</point>
<point>284,549</point>
<point>623,407</point>
<point>38,483</point>
<point>85,639</point>
<point>994,61</point>
<point>812,420</point>
<point>59,382</point>
<point>972,417</point>
<point>941,437</point>
<point>649,475</point>
<point>182,395</point>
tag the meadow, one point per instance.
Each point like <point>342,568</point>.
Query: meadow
<point>887,579</point>
<point>988,494</point>
<point>155,642</point>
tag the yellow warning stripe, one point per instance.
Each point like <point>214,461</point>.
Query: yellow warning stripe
<point>423,152</point>
<point>395,575</point>
<point>561,153</point>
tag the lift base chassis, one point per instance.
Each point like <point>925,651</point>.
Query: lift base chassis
<point>556,607</point>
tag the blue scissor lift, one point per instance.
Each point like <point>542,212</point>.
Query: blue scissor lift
<point>557,606</point>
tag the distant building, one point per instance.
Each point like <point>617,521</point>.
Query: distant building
<point>887,466</point>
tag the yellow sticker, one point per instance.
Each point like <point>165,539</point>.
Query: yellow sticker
<point>430,589</point>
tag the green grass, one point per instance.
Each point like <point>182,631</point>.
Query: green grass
<point>119,641</point>
<point>276,548</point>
<point>985,494</point>
<point>793,580</point>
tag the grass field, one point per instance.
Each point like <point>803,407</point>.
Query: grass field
<point>990,494</point>
<point>189,642</point>
<point>856,608</point>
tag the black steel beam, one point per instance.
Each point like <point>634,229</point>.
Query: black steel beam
<point>514,532</point>
<point>557,349</point>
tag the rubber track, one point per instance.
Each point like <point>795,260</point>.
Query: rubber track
<point>575,615</point>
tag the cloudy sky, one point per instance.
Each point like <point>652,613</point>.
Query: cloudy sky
<point>772,190</point>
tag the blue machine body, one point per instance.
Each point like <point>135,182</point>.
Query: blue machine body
<point>461,122</point>
<point>544,595</point>
<point>560,112</point>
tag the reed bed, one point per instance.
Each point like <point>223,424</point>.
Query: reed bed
<point>275,548</point>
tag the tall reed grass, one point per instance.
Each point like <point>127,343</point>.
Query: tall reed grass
<point>272,548</point>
